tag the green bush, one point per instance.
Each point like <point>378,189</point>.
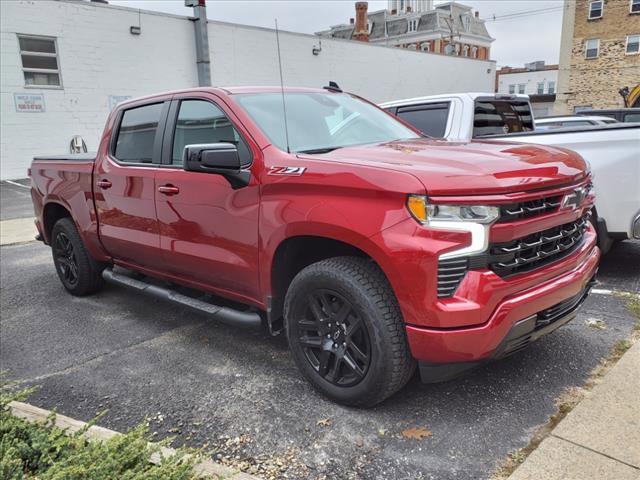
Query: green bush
<point>43,451</point>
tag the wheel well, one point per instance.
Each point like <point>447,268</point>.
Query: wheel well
<point>52,213</point>
<point>293,255</point>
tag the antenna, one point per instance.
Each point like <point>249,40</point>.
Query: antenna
<point>284,105</point>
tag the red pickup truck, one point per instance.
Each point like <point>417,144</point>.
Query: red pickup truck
<point>374,248</point>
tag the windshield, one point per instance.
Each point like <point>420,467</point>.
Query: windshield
<point>321,122</point>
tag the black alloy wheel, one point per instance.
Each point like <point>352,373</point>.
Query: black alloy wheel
<point>334,338</point>
<point>65,259</point>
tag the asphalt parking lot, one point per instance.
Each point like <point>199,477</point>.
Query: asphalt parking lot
<point>204,382</point>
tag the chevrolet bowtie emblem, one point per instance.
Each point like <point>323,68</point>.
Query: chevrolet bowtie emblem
<point>573,200</point>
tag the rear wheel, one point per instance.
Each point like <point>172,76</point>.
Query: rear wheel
<point>78,271</point>
<point>346,332</point>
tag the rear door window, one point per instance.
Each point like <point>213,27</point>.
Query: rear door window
<point>429,119</point>
<point>499,117</point>
<point>137,133</point>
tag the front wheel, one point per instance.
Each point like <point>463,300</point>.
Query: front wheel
<point>78,271</point>
<point>346,332</point>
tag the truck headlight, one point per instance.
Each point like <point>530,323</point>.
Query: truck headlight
<point>474,219</point>
<point>426,212</point>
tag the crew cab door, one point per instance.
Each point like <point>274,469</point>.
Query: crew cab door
<point>208,230</point>
<point>124,185</point>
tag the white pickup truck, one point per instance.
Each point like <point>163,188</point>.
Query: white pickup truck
<point>612,150</point>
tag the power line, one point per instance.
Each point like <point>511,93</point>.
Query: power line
<point>523,13</point>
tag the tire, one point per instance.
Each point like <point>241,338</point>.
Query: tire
<point>353,296</point>
<point>79,273</point>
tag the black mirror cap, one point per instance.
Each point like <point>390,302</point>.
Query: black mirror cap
<point>216,158</point>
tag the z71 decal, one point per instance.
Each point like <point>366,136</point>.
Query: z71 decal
<point>297,171</point>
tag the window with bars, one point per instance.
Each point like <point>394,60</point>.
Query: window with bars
<point>40,64</point>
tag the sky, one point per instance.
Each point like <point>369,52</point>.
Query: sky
<point>525,30</point>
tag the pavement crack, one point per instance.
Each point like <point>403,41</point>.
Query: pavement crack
<point>595,451</point>
<point>72,368</point>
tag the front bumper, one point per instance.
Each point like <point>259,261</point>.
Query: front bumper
<point>515,321</point>
<point>521,335</point>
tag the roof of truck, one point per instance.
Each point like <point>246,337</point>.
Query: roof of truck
<point>445,96</point>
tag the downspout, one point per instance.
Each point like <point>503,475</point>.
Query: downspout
<point>202,41</point>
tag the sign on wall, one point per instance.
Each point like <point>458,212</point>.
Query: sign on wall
<point>115,99</point>
<point>29,102</point>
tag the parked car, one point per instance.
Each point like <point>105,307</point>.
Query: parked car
<point>550,123</point>
<point>373,248</point>
<point>625,115</point>
<point>611,150</point>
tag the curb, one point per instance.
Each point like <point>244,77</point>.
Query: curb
<point>96,433</point>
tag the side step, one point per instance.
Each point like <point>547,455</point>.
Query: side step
<point>225,315</point>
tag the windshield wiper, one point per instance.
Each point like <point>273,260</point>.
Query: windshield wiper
<point>319,150</point>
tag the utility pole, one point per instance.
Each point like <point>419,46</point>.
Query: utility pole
<point>202,41</point>
<point>450,49</point>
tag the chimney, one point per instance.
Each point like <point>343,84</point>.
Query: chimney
<point>477,14</point>
<point>361,32</point>
<point>351,20</point>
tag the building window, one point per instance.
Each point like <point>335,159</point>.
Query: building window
<point>551,88</point>
<point>465,51</point>
<point>634,7</point>
<point>413,25</point>
<point>466,22</point>
<point>595,10</point>
<point>521,87</point>
<point>540,88</point>
<point>426,47</point>
<point>512,89</point>
<point>591,48</point>
<point>40,63</point>
<point>474,52</point>
<point>633,44</point>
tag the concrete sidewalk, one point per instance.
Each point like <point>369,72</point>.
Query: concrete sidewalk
<point>17,230</point>
<point>600,437</point>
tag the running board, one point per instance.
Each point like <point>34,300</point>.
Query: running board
<point>225,315</point>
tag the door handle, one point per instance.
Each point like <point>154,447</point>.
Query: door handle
<point>168,189</point>
<point>104,184</point>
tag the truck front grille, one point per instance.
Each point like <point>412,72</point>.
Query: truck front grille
<point>536,250</point>
<point>450,274</point>
<point>531,208</point>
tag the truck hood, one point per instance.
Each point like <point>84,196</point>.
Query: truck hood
<point>470,168</point>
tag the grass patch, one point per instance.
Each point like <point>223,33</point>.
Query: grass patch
<point>40,450</point>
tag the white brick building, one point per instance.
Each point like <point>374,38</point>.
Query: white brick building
<point>100,62</point>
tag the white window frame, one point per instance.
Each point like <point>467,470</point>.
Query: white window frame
<point>631,2</point>
<point>465,51</point>
<point>540,88</point>
<point>512,87</point>
<point>426,47</point>
<point>551,86</point>
<point>40,54</point>
<point>412,25</point>
<point>586,48</point>
<point>626,45</point>
<point>474,52</point>
<point>522,90</point>
<point>601,2</point>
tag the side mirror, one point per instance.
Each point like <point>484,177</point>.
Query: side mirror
<point>217,158</point>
